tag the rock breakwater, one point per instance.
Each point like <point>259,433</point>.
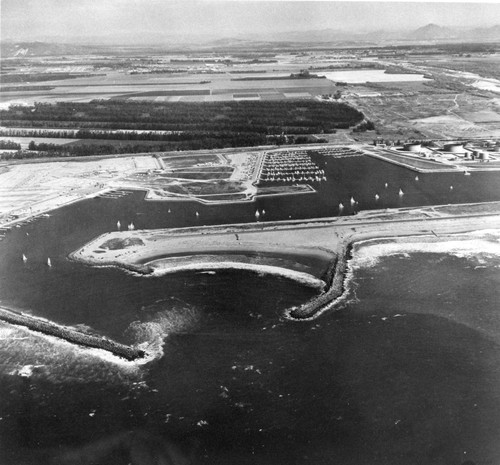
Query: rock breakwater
<point>336,277</point>
<point>71,335</point>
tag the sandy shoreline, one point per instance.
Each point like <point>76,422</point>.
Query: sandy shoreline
<point>163,267</point>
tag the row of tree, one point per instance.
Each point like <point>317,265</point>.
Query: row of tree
<point>265,117</point>
<point>43,149</point>
<point>9,145</point>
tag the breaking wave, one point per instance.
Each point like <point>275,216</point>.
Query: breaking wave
<point>163,267</point>
<point>150,335</point>
<point>481,247</point>
<point>28,353</point>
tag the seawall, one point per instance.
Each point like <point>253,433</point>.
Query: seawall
<point>71,335</point>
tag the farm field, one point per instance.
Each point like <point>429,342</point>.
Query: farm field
<point>421,112</point>
<point>439,95</point>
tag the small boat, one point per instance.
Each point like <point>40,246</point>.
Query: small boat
<point>377,197</point>
<point>49,262</point>
<point>341,206</point>
<point>451,188</point>
<point>466,173</point>
<point>25,259</point>
<point>131,227</point>
<point>353,202</point>
<point>263,211</point>
<point>257,214</point>
<point>386,185</point>
<point>197,215</point>
<point>169,211</point>
<point>416,178</point>
<point>401,193</point>
<point>118,224</point>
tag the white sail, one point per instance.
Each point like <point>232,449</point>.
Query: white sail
<point>341,206</point>
<point>49,262</point>
<point>257,214</point>
<point>25,259</point>
<point>401,193</point>
<point>118,224</point>
<point>353,202</point>
<point>386,185</point>
<point>416,178</point>
<point>377,197</point>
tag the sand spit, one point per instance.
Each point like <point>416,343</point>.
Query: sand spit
<point>332,240</point>
<point>160,253</point>
<point>71,335</point>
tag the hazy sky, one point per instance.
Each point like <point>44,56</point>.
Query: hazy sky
<point>42,19</point>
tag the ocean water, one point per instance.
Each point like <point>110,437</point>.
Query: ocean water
<point>405,371</point>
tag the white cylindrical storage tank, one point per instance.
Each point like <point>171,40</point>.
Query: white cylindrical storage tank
<point>412,147</point>
<point>454,148</point>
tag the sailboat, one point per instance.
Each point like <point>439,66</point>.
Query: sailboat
<point>169,211</point>
<point>386,185</point>
<point>377,197</point>
<point>263,212</point>
<point>341,206</point>
<point>49,263</point>
<point>401,193</point>
<point>25,259</point>
<point>416,178</point>
<point>118,224</point>
<point>197,215</point>
<point>257,214</point>
<point>451,188</point>
<point>131,227</point>
<point>353,202</point>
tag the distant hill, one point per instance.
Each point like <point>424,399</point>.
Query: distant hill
<point>432,32</point>
<point>429,33</point>
<point>30,49</point>
<point>489,33</point>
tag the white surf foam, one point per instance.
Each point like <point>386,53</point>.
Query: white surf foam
<point>482,247</point>
<point>150,335</point>
<point>163,267</point>
<point>28,353</point>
